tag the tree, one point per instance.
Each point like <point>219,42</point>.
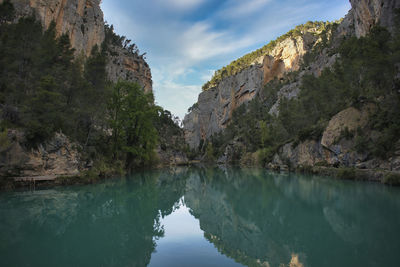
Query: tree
<point>7,12</point>
<point>132,116</point>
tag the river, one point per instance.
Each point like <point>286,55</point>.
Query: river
<point>203,217</point>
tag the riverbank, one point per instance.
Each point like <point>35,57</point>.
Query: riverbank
<point>363,175</point>
<point>366,175</point>
<point>83,178</point>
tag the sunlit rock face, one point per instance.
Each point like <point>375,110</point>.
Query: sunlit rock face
<point>215,106</point>
<point>82,20</point>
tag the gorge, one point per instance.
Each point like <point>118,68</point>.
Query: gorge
<point>265,168</point>
<point>246,113</point>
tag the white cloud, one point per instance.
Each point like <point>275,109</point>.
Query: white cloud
<point>201,42</point>
<point>179,97</point>
<point>181,4</point>
<point>237,8</point>
<point>181,52</point>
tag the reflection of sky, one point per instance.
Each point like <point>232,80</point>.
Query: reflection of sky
<point>187,40</point>
<point>184,244</point>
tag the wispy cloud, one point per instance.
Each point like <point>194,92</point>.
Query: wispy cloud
<point>181,4</point>
<point>185,39</point>
<point>239,8</point>
<point>201,42</point>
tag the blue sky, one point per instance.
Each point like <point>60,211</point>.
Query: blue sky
<point>187,40</point>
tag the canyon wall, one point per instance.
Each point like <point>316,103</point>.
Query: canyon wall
<point>367,13</point>
<point>214,108</point>
<point>83,21</point>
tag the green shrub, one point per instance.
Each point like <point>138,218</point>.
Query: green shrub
<point>346,173</point>
<point>391,179</point>
<point>265,155</point>
<point>323,163</point>
<point>306,169</point>
<point>4,141</point>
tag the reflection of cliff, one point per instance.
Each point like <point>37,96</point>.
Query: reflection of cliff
<point>116,222</point>
<point>258,218</point>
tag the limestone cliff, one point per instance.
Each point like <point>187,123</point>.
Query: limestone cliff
<point>83,21</point>
<point>366,14</point>
<point>128,66</point>
<point>215,106</point>
<point>53,158</point>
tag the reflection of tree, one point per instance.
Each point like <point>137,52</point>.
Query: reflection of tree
<point>110,224</point>
<point>256,218</point>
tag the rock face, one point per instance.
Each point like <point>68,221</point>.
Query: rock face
<point>372,12</point>
<point>337,147</point>
<point>83,21</point>
<point>130,67</point>
<point>56,157</point>
<point>215,106</point>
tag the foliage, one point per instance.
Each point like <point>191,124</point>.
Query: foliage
<point>210,152</point>
<point>131,118</point>
<point>113,39</point>
<point>364,73</point>
<point>391,179</point>
<point>45,88</point>
<point>315,28</point>
<point>346,173</point>
<point>4,140</point>
<point>170,134</point>
<point>7,12</point>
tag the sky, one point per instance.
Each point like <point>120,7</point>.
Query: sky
<point>185,41</point>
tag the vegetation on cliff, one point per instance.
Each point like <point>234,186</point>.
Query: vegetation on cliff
<point>45,88</point>
<point>316,28</point>
<point>365,73</point>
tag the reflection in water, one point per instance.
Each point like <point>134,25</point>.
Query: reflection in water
<point>110,224</point>
<point>265,219</point>
<point>254,217</point>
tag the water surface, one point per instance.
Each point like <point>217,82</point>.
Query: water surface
<point>203,217</point>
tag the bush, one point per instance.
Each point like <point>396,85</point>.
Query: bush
<point>265,155</point>
<point>391,179</point>
<point>4,141</point>
<point>346,173</point>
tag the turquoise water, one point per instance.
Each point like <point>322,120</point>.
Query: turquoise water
<point>203,217</point>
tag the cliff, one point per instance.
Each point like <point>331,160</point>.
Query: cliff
<point>351,124</point>
<point>83,21</point>
<point>60,123</point>
<point>366,14</point>
<point>215,106</point>
<point>128,66</point>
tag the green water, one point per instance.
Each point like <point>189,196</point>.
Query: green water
<point>203,217</point>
